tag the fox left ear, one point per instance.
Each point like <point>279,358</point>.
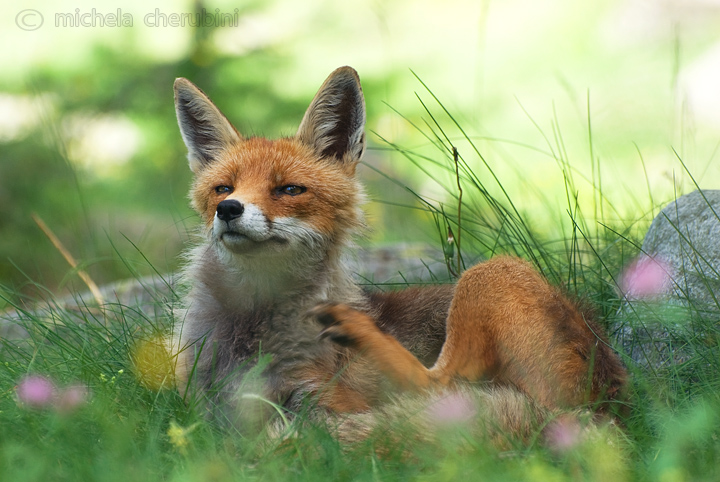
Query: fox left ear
<point>334,124</point>
<point>204,129</point>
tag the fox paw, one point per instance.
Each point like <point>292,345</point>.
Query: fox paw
<point>342,325</point>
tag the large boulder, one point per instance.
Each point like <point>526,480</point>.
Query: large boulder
<point>686,236</point>
<point>667,327</point>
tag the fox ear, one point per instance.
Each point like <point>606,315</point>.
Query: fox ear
<point>334,124</point>
<point>204,129</point>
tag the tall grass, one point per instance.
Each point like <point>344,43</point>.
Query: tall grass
<point>131,428</point>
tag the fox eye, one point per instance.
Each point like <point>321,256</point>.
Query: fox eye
<point>291,190</point>
<point>223,189</point>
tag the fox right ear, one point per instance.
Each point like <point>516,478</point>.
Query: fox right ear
<point>204,129</point>
<point>334,124</point>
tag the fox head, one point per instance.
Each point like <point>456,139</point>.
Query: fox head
<point>258,197</point>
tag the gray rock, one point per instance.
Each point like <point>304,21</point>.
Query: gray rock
<point>151,298</point>
<point>140,299</point>
<point>686,236</point>
<point>665,331</point>
<point>398,264</point>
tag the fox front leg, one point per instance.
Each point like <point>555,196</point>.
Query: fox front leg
<point>354,329</point>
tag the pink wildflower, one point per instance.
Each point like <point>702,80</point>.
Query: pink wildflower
<point>71,398</point>
<point>451,409</point>
<point>563,434</point>
<point>645,277</point>
<point>40,392</point>
<point>36,391</point>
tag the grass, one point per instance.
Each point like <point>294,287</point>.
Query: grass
<point>130,428</point>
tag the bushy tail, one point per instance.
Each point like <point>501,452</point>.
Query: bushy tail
<point>500,415</point>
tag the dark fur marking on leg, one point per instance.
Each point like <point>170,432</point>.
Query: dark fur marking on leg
<point>323,315</point>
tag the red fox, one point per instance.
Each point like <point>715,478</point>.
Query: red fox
<point>269,278</point>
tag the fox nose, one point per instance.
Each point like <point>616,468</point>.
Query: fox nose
<point>229,209</point>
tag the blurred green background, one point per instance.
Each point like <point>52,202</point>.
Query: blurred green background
<point>621,90</point>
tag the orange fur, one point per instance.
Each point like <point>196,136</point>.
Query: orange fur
<point>505,324</point>
<point>254,167</point>
<point>386,352</point>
